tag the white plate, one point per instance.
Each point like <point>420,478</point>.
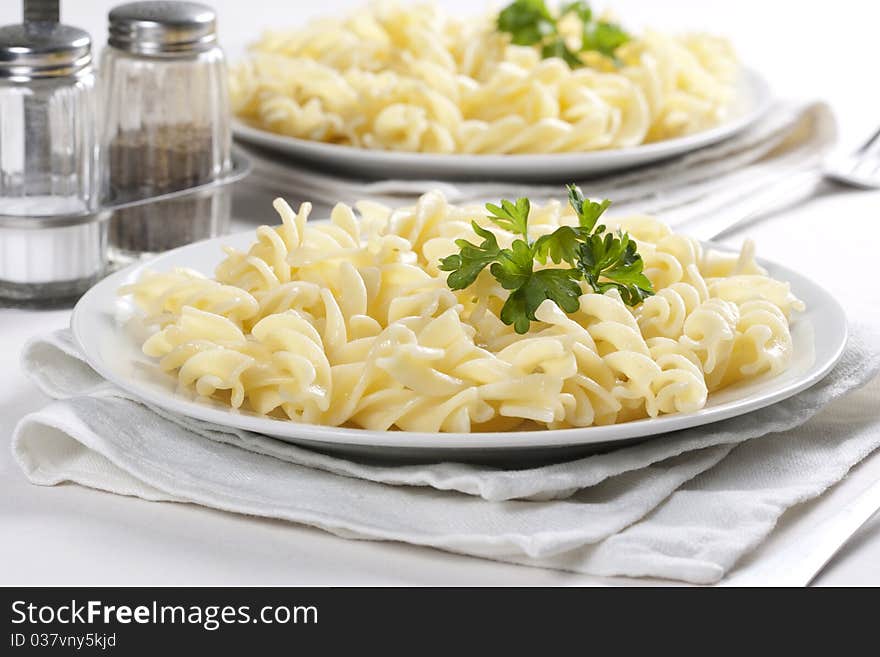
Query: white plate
<point>752,100</point>
<point>110,333</point>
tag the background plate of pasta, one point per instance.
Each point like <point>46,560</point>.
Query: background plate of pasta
<point>525,92</point>
<point>469,333</point>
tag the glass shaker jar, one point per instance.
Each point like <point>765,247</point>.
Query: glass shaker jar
<point>166,126</point>
<point>52,243</point>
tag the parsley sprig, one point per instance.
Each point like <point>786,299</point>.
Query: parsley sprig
<point>604,260</point>
<point>530,22</point>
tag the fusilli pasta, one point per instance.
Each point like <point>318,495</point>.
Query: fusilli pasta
<point>412,78</point>
<point>350,323</point>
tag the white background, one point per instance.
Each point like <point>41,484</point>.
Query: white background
<point>71,535</point>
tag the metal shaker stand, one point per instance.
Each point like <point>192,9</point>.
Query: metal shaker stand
<point>241,167</point>
<point>47,12</point>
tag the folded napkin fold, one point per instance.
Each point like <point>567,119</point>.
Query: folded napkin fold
<point>682,506</point>
<point>790,137</point>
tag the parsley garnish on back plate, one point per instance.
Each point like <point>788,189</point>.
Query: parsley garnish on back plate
<point>604,260</point>
<point>530,22</point>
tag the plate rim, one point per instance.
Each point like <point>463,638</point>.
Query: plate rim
<point>498,440</point>
<point>757,84</point>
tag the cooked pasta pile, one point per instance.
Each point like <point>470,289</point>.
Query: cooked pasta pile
<point>412,78</point>
<point>351,323</point>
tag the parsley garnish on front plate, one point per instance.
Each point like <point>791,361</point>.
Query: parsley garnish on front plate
<point>604,260</point>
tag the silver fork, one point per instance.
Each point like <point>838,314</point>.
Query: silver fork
<point>799,564</point>
<point>798,567</point>
<point>859,169</point>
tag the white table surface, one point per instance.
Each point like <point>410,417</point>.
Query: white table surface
<point>73,535</point>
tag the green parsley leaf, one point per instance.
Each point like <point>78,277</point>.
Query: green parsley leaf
<point>530,22</point>
<point>557,48</point>
<point>558,285</point>
<point>561,245</point>
<point>587,211</point>
<point>514,312</point>
<point>603,37</point>
<point>612,262</point>
<point>471,259</point>
<point>512,217</point>
<point>605,261</point>
<point>527,21</point>
<point>514,265</point>
<point>579,7</point>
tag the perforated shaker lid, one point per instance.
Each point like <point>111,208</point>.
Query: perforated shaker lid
<point>43,49</point>
<point>162,28</point>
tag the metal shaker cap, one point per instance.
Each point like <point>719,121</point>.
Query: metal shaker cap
<point>162,28</point>
<point>42,50</point>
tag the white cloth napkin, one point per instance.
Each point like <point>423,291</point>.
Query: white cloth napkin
<point>683,506</point>
<point>790,137</point>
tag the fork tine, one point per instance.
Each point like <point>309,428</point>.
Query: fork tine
<point>868,160</point>
<point>865,165</point>
<point>872,144</point>
<point>863,170</point>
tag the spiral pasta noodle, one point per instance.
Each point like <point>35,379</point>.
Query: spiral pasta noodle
<point>411,78</point>
<point>350,322</point>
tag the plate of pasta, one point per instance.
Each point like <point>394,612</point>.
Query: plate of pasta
<point>528,92</point>
<point>460,332</point>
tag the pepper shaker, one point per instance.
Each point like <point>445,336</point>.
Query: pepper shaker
<point>52,239</point>
<point>166,126</point>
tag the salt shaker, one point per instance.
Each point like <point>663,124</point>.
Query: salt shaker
<point>52,239</point>
<point>166,126</point>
